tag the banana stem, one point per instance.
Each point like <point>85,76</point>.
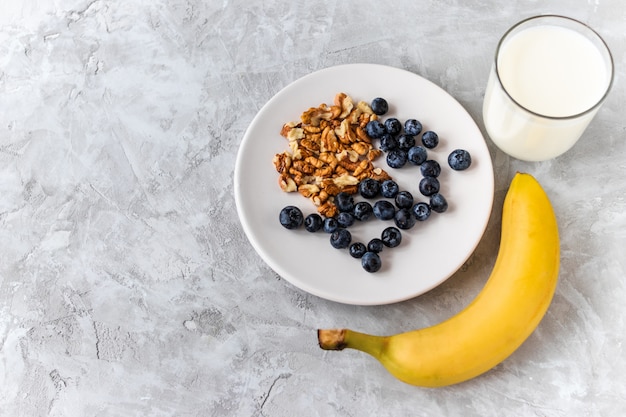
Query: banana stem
<point>339,339</point>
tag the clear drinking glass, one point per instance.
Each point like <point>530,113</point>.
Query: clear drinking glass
<point>550,76</point>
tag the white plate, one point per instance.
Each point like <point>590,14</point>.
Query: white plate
<point>430,252</point>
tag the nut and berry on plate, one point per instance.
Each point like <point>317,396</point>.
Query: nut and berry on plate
<point>330,161</point>
<point>329,152</point>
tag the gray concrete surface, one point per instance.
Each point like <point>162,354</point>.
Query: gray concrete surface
<point>127,286</point>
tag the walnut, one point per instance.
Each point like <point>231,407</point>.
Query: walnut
<point>379,174</point>
<point>365,167</point>
<point>339,170</point>
<point>373,154</point>
<point>287,128</point>
<point>282,162</point>
<point>315,114</point>
<point>348,164</point>
<point>308,190</point>
<point>316,162</point>
<point>287,184</point>
<point>297,176</point>
<point>295,133</point>
<point>340,130</point>
<point>345,103</point>
<point>362,135</point>
<point>366,109</point>
<point>348,154</point>
<point>320,198</point>
<point>329,185</point>
<point>335,112</point>
<point>311,129</point>
<point>302,167</point>
<point>310,144</point>
<point>350,189</point>
<point>325,171</point>
<point>294,145</point>
<point>361,148</point>
<point>329,140</point>
<point>346,179</point>
<point>350,135</point>
<point>329,158</point>
<point>328,209</point>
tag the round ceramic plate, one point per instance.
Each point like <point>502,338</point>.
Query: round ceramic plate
<point>429,253</point>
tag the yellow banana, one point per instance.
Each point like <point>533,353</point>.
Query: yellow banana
<point>507,310</point>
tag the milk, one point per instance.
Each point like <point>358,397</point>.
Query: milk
<point>555,78</point>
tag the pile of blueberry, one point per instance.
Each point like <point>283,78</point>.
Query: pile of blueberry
<point>391,203</point>
<point>401,145</point>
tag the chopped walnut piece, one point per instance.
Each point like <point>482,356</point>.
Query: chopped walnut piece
<point>308,190</point>
<point>287,184</point>
<point>328,209</point>
<point>282,162</point>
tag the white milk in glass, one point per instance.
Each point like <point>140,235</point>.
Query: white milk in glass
<point>555,78</point>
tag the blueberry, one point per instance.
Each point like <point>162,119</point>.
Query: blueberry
<point>388,142</point>
<point>459,159</point>
<point>429,186</point>
<point>384,210</point>
<point>393,126</point>
<point>389,189</point>
<point>345,219</point>
<point>417,155</point>
<point>375,245</point>
<point>291,217</point>
<point>344,202</point>
<point>330,225</point>
<point>406,142</point>
<point>369,188</point>
<point>379,106</point>
<point>412,127</point>
<point>371,262</point>
<point>357,249</point>
<point>404,199</point>
<point>340,238</point>
<point>430,168</point>
<point>375,129</point>
<point>438,203</point>
<point>430,139</point>
<point>362,210</point>
<point>391,237</point>
<point>404,219</point>
<point>421,211</point>
<point>396,158</point>
<point>313,222</point>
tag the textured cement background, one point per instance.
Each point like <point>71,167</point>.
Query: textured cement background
<point>127,286</point>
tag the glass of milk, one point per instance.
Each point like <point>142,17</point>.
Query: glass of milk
<point>550,76</point>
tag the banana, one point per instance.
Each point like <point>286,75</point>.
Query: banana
<point>500,318</point>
